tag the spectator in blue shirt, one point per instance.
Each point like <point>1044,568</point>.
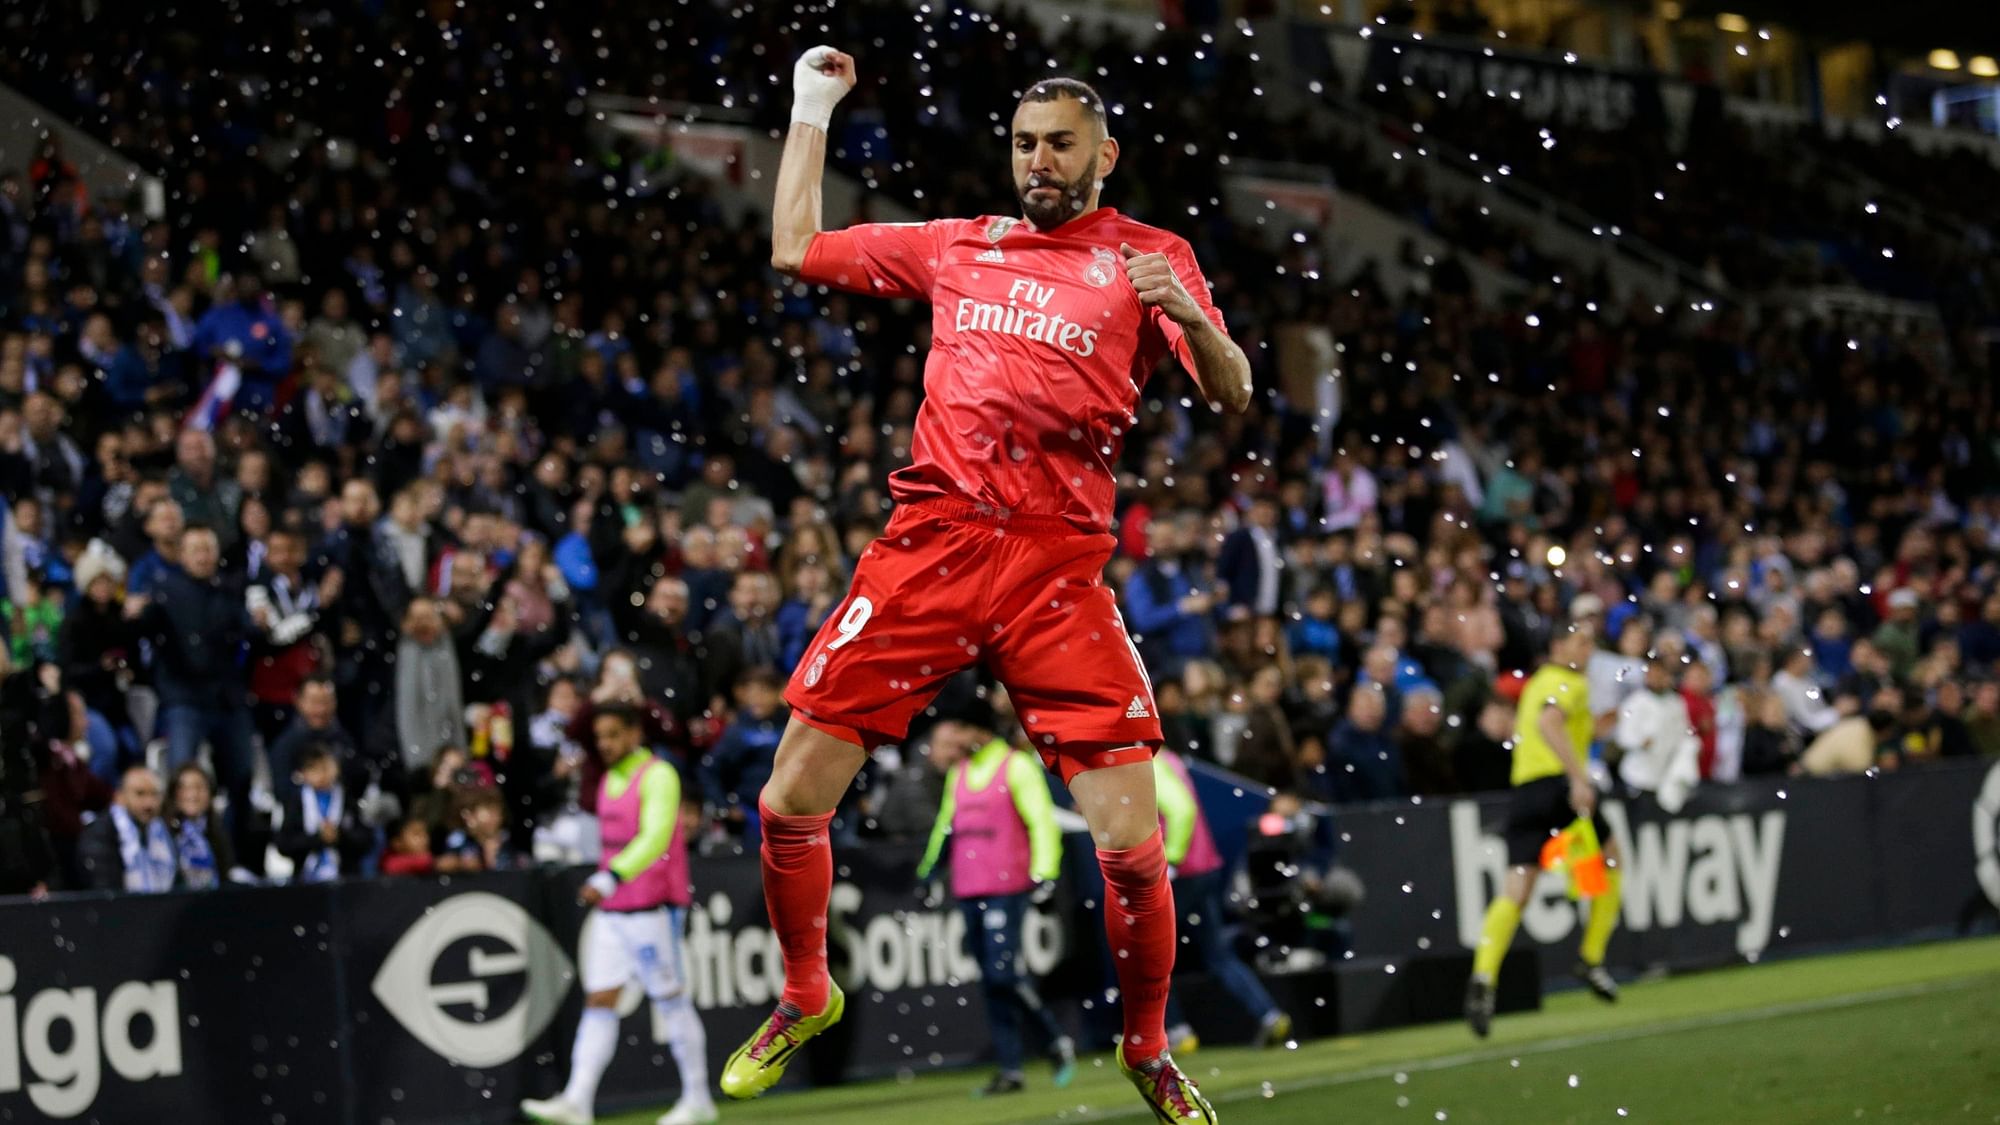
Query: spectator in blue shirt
<point>1169,601</point>
<point>734,772</point>
<point>1315,633</point>
<point>249,331</point>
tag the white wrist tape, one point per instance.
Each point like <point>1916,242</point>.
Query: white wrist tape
<point>815,94</point>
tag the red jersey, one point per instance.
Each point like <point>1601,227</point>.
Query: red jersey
<point>1039,347</point>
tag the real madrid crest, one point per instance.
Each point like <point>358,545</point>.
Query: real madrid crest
<point>999,228</point>
<point>1103,267</point>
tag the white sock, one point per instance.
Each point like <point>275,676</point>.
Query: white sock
<point>688,1040</point>
<point>596,1042</point>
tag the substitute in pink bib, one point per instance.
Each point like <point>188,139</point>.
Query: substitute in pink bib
<point>989,841</point>
<point>665,881</point>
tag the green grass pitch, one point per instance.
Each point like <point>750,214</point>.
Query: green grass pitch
<point>1909,1034</point>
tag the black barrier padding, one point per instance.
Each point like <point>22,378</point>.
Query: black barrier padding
<point>248,976</point>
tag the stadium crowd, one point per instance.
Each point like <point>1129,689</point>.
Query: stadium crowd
<point>376,463</point>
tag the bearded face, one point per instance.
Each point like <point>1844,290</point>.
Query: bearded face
<point>1048,200</point>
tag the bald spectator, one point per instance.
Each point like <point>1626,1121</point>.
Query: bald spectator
<point>129,847</point>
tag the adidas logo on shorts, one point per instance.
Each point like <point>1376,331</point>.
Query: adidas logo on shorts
<point>1138,709</point>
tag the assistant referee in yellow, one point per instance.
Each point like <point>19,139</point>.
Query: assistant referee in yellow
<point>1552,787</point>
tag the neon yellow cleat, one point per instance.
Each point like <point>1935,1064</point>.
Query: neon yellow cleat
<point>1174,1097</point>
<point>759,1063</point>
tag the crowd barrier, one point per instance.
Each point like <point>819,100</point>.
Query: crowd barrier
<point>422,1001</point>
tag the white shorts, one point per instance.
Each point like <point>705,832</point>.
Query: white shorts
<point>617,949</point>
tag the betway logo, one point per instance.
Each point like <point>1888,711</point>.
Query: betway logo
<point>65,1082</point>
<point>1702,870</point>
<point>1026,320</point>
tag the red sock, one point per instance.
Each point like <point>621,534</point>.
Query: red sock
<point>1139,920</point>
<point>798,878</point>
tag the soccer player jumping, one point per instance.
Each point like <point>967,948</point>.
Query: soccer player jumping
<point>1043,328</point>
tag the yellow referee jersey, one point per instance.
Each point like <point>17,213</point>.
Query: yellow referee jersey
<point>1551,685</point>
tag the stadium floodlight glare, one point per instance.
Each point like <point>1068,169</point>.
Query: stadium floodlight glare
<point>1984,66</point>
<point>1944,59</point>
<point>1730,21</point>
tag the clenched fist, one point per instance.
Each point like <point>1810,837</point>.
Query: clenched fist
<point>821,77</point>
<point>1153,277</point>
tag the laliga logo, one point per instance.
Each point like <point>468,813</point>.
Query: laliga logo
<point>441,980</point>
<point>1986,835</point>
<point>64,1081</point>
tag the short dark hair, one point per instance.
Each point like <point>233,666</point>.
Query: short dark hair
<point>313,754</point>
<point>624,714</point>
<point>762,677</point>
<point>1055,89</point>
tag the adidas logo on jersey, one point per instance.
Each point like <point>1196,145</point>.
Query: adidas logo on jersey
<point>993,255</point>
<point>1138,709</point>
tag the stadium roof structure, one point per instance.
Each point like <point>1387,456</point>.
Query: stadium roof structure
<point>1916,25</point>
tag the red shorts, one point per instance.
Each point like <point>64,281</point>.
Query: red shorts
<point>946,588</point>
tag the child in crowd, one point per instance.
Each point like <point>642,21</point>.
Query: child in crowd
<point>410,849</point>
<point>322,833</point>
<point>481,842</point>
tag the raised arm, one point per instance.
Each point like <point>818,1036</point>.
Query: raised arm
<point>820,79</point>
